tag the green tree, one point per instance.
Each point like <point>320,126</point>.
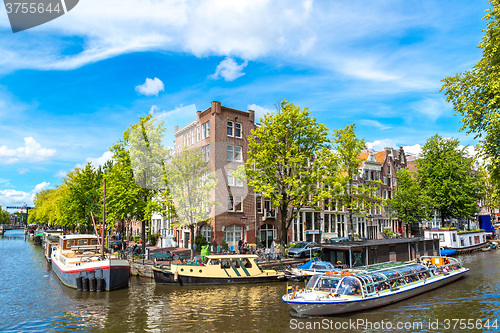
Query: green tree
<point>83,196</point>
<point>282,161</point>
<point>4,216</point>
<point>190,184</point>
<point>446,174</point>
<point>137,175</point>
<point>409,203</point>
<point>357,197</point>
<point>476,97</point>
<point>50,208</point>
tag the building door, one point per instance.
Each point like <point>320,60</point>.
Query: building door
<point>233,233</point>
<point>186,240</point>
<point>267,235</point>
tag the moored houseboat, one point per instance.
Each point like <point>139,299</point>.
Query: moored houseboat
<point>218,269</point>
<point>462,241</point>
<point>372,286</point>
<point>79,262</point>
<point>50,240</point>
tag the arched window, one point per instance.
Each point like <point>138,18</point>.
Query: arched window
<point>206,231</point>
<point>233,233</point>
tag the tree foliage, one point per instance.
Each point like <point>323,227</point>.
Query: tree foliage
<point>446,173</point>
<point>137,176</point>
<point>283,161</point>
<point>4,216</point>
<point>409,203</point>
<point>356,197</point>
<point>475,93</point>
<point>190,184</point>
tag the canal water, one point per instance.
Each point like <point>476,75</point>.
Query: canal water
<point>32,299</point>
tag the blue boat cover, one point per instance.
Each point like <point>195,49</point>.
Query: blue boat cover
<point>308,264</point>
<point>448,252</point>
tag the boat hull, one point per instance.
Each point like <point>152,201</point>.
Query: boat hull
<point>115,272</point>
<point>324,308</point>
<point>166,277</point>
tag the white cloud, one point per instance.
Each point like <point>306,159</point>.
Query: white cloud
<point>40,187</point>
<point>22,171</point>
<point>379,145</point>
<point>150,87</point>
<point>95,161</point>
<point>17,198</point>
<point>229,70</point>
<point>31,152</point>
<point>374,123</point>
<point>259,111</point>
<point>61,174</point>
<point>416,149</point>
<point>153,109</point>
<point>14,198</point>
<point>433,108</point>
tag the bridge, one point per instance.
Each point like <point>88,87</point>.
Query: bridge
<point>5,227</point>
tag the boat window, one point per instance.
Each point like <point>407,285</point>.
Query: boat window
<point>70,243</point>
<point>319,266</point>
<point>214,262</point>
<point>327,284</point>
<point>350,286</point>
<point>93,241</point>
<point>246,263</point>
<point>82,242</point>
<point>312,281</point>
<point>236,263</point>
<point>225,263</point>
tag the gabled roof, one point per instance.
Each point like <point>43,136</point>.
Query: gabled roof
<point>379,156</point>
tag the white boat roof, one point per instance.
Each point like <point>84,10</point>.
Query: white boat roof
<point>231,256</point>
<point>78,236</point>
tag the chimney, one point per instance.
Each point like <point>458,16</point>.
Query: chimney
<point>215,107</point>
<point>198,114</point>
<point>176,128</point>
<point>251,115</point>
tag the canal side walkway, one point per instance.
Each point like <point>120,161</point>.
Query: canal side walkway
<point>143,266</point>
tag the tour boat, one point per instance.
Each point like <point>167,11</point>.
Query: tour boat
<point>218,269</point>
<point>80,263</point>
<point>372,286</point>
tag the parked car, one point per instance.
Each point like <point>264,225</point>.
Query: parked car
<point>303,249</point>
<point>337,240</point>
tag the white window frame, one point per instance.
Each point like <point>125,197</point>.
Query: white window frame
<point>230,153</point>
<point>203,131</point>
<point>206,231</point>
<point>236,125</point>
<point>230,178</point>
<point>207,134</point>
<point>238,156</point>
<point>198,134</point>
<point>230,128</point>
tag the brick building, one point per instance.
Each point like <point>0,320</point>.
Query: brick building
<point>333,221</point>
<point>222,133</point>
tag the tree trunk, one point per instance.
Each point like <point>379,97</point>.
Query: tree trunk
<point>442,218</point>
<point>143,227</point>
<point>284,229</point>
<point>191,227</point>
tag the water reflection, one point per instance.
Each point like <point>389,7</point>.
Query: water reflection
<point>33,299</point>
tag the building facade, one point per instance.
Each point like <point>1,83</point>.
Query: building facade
<point>222,133</point>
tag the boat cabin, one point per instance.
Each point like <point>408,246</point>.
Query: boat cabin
<point>455,239</point>
<point>78,244</point>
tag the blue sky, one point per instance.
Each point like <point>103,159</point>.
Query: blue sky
<point>71,87</point>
